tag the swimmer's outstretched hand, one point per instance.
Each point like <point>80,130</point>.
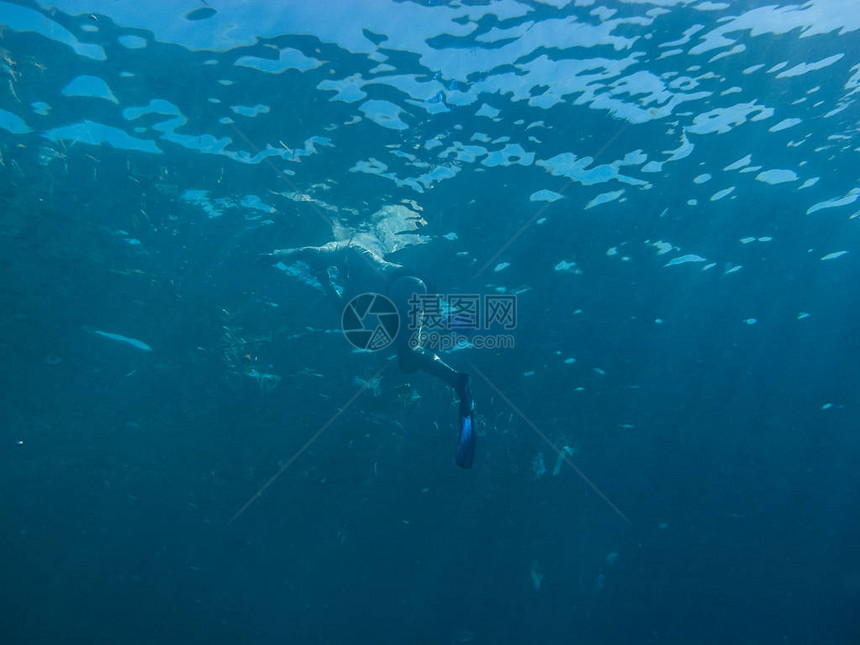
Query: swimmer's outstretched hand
<point>275,256</point>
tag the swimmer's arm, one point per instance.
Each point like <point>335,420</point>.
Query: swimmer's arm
<point>319,258</point>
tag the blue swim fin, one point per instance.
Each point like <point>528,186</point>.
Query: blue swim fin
<point>467,426</point>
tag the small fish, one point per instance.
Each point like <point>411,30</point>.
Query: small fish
<point>690,257</point>
<point>139,344</point>
<point>200,13</point>
<point>565,452</point>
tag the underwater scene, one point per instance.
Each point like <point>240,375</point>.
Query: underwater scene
<point>426,321</point>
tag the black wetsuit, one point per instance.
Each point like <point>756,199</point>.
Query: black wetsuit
<point>361,271</point>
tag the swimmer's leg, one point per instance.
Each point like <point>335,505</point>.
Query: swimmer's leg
<point>412,359</point>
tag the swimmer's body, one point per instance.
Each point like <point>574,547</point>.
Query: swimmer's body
<point>363,271</point>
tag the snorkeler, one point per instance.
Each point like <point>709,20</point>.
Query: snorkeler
<point>361,271</point>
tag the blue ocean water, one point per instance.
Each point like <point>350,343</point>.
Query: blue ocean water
<point>190,449</point>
